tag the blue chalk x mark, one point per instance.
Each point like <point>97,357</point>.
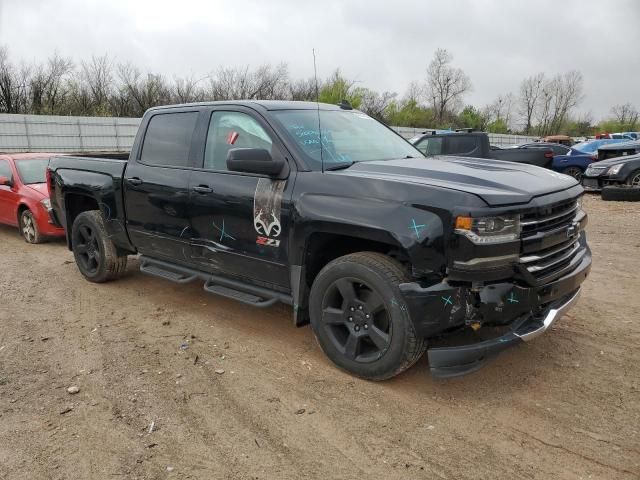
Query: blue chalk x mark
<point>512,298</point>
<point>222,231</point>
<point>447,300</point>
<point>417,228</point>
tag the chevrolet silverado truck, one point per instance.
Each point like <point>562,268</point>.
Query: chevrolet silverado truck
<point>325,209</point>
<point>468,143</point>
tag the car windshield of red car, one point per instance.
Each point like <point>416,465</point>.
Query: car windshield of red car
<point>32,170</point>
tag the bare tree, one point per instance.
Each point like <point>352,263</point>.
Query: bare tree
<point>530,91</point>
<point>446,85</point>
<point>47,84</point>
<point>626,115</point>
<point>97,76</point>
<point>415,93</point>
<point>187,90</point>
<point>304,90</point>
<point>266,83</point>
<point>500,109</point>
<point>13,85</point>
<point>270,83</point>
<point>375,104</point>
<point>145,91</point>
<point>558,97</point>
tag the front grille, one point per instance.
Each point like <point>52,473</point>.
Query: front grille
<point>551,240</point>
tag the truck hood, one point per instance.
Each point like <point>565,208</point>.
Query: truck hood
<point>41,188</point>
<point>497,182</point>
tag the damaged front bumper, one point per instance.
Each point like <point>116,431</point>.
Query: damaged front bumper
<point>527,312</point>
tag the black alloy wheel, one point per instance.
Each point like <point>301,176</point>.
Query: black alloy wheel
<point>356,320</point>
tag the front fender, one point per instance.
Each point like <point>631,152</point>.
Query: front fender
<point>561,162</point>
<point>417,231</point>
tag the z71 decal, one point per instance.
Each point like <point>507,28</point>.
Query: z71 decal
<point>267,242</point>
<point>267,202</point>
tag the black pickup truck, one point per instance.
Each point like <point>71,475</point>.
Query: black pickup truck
<point>462,143</point>
<point>325,209</point>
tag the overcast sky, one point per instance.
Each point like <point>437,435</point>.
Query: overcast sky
<point>382,44</point>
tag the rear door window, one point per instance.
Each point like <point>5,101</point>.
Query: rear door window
<point>461,145</point>
<point>168,139</point>
<point>430,146</point>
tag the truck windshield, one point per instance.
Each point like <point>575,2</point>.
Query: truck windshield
<point>33,170</point>
<point>347,137</point>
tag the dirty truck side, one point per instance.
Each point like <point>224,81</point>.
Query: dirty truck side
<point>381,249</point>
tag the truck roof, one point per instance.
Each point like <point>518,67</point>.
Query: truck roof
<point>265,104</point>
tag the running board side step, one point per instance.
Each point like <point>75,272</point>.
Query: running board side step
<point>217,285</point>
<point>240,296</point>
<point>175,274</point>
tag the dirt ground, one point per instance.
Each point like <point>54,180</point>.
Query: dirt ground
<point>145,352</point>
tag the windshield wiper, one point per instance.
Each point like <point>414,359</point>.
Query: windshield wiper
<point>339,166</point>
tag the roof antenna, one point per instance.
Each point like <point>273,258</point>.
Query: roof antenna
<point>315,73</point>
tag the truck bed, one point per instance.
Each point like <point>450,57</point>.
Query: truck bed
<point>95,181</point>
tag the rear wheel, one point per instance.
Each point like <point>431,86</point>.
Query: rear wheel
<point>360,318</point>
<point>95,254</point>
<point>29,228</point>
<point>574,172</point>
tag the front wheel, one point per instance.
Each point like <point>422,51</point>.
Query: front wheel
<point>95,254</point>
<point>634,179</point>
<point>574,172</point>
<point>360,318</point>
<point>29,228</point>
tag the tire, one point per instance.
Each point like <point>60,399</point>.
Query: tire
<point>574,172</point>
<point>634,179</point>
<point>95,254</point>
<point>621,194</point>
<point>360,318</point>
<point>29,228</point>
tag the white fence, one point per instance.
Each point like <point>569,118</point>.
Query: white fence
<point>40,133</point>
<point>33,133</point>
<point>494,138</point>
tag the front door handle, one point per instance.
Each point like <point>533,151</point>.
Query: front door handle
<point>135,181</point>
<point>202,189</point>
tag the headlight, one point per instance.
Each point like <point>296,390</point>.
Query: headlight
<point>615,169</point>
<point>505,228</point>
<point>46,203</point>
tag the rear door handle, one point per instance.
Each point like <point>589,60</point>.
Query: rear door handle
<point>134,181</point>
<point>202,189</point>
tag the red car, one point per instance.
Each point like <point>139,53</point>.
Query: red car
<point>24,197</point>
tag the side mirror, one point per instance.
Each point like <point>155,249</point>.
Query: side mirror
<point>6,181</point>
<point>254,160</point>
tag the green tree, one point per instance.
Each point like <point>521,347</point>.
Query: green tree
<point>409,113</point>
<point>498,126</point>
<point>338,88</point>
<point>471,117</point>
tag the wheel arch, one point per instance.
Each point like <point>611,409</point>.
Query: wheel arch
<point>74,205</point>
<point>323,246</point>
<point>22,206</point>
